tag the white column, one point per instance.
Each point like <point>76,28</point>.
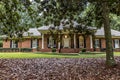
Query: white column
<point>59,43</point>
<point>75,41</point>
<point>42,41</point>
<point>91,42</point>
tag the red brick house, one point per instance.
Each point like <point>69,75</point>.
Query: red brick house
<point>40,38</point>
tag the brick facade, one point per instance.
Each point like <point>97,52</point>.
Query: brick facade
<point>6,43</point>
<point>103,44</point>
<point>26,43</point>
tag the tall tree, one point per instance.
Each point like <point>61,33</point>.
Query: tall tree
<point>115,22</point>
<point>110,61</point>
<point>13,18</point>
<point>102,17</point>
<point>55,10</point>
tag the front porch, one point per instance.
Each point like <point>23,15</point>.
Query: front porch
<point>73,43</point>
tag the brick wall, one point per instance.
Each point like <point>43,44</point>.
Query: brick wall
<point>6,44</point>
<point>26,43</point>
<point>103,44</point>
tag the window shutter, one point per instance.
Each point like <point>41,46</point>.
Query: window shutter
<point>77,42</point>
<point>84,42</point>
<point>31,43</point>
<point>94,47</point>
<point>113,43</point>
<point>10,43</point>
<point>72,43</point>
<point>37,42</point>
<point>16,44</point>
<point>100,43</point>
<point>48,42</point>
<point>119,43</point>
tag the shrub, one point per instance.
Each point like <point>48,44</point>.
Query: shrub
<point>9,49</point>
<point>15,49</point>
<point>53,49</point>
<point>38,48</point>
<point>103,49</point>
<point>83,50</point>
<point>26,49</point>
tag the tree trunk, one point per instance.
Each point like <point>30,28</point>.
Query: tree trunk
<point>20,45</point>
<point>93,40</point>
<point>110,61</point>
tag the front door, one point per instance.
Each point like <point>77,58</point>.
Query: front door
<point>81,42</point>
<point>66,42</point>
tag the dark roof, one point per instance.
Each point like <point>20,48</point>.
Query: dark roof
<point>61,27</point>
<point>36,32</point>
<point>32,32</point>
<point>100,32</point>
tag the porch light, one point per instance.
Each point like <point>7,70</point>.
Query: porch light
<point>65,36</point>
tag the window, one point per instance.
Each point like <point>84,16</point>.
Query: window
<point>116,43</point>
<point>14,44</point>
<point>81,42</point>
<point>34,43</point>
<point>51,42</point>
<point>97,43</point>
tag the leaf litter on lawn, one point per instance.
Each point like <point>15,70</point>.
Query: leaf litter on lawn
<point>58,69</point>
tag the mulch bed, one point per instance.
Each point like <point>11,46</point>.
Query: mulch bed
<point>58,69</point>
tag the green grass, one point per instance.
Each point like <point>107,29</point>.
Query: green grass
<point>52,55</point>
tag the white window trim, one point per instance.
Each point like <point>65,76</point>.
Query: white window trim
<point>34,43</point>
<point>97,43</point>
<point>117,43</point>
<point>14,45</point>
<point>51,42</point>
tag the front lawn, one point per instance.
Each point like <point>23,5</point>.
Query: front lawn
<point>52,66</point>
<point>52,55</point>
